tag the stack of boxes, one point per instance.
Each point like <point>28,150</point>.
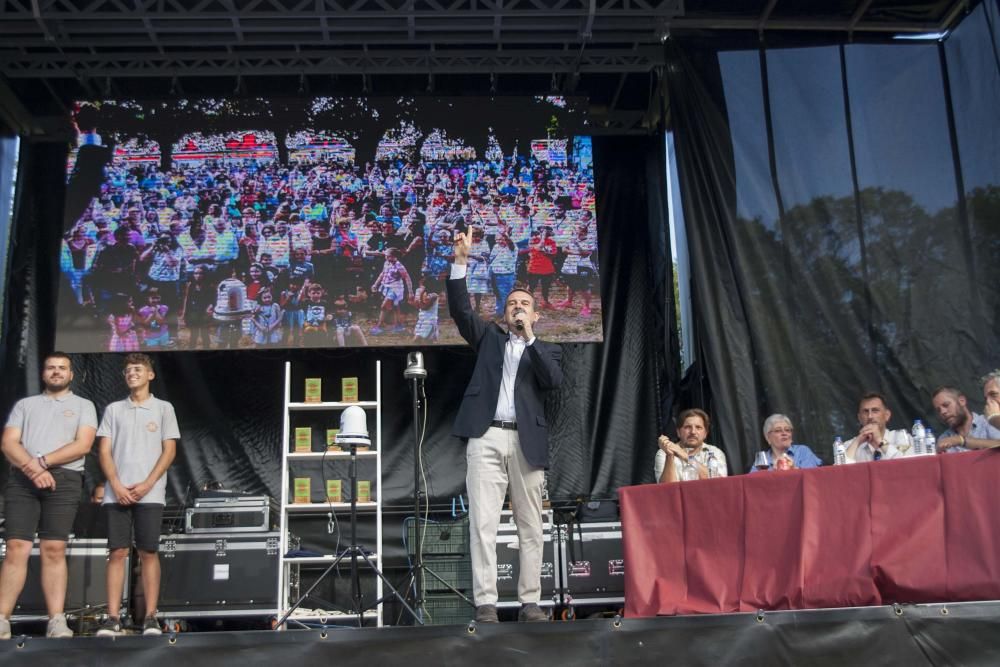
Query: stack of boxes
<point>446,563</point>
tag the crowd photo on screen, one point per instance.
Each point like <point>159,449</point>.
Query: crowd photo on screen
<point>230,247</point>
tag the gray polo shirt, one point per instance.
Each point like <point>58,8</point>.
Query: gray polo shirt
<point>48,423</point>
<point>137,432</point>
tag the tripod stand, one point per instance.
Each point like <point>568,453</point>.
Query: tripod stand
<point>353,551</point>
<point>416,576</point>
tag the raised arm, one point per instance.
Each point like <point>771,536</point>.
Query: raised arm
<point>470,324</point>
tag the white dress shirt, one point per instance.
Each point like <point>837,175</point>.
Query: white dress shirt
<point>896,442</point>
<point>513,350</point>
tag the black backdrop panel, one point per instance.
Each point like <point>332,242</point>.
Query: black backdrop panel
<point>836,201</point>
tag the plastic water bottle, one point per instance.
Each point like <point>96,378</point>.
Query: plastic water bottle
<point>839,452</point>
<point>713,466</point>
<point>930,443</point>
<point>919,433</point>
<point>689,472</point>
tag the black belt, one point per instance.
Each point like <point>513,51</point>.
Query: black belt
<point>510,426</point>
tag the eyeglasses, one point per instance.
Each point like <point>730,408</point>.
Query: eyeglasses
<point>780,430</point>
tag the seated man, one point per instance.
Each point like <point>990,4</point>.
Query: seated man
<point>991,393</point>
<point>693,430</point>
<point>874,441</point>
<point>966,429</point>
<point>778,432</point>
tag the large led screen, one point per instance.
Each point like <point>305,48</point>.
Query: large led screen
<point>250,223</point>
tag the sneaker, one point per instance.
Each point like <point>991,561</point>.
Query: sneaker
<point>57,627</point>
<point>487,613</point>
<point>4,628</point>
<point>585,311</point>
<point>151,626</point>
<point>375,331</point>
<point>532,613</point>
<point>109,627</point>
<point>399,328</point>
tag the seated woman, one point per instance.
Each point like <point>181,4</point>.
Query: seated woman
<point>778,431</point>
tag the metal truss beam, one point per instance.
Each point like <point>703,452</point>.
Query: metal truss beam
<point>212,63</point>
<point>180,38</point>
<point>184,9</point>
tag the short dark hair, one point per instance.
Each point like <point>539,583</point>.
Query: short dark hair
<point>56,354</point>
<point>872,395</point>
<point>694,412</point>
<point>134,358</point>
<point>519,288</point>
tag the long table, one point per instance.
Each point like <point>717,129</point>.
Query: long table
<point>911,530</point>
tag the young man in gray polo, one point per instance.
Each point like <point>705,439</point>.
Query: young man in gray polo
<point>138,440</point>
<point>45,440</point>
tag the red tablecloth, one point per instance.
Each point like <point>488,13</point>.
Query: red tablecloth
<point>911,530</point>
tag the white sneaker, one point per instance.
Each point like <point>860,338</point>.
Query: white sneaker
<point>4,628</point>
<point>109,627</point>
<point>151,626</point>
<point>57,627</point>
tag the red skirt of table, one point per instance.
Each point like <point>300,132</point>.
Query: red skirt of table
<point>911,530</point>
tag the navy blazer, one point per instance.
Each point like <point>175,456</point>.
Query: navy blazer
<point>537,373</point>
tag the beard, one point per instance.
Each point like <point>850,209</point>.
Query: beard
<point>57,385</point>
<point>958,421</point>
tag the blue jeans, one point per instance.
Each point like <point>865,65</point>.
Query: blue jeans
<point>503,283</point>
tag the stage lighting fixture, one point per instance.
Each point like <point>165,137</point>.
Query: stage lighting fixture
<point>353,427</point>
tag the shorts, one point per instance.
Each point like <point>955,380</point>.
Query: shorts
<point>144,517</point>
<point>162,339</point>
<point>49,512</point>
<point>580,282</point>
<point>394,293</point>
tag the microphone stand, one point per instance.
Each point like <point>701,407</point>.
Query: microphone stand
<point>415,373</point>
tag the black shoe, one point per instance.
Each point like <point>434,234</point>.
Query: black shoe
<point>487,613</point>
<point>532,613</point>
<point>109,627</point>
<point>151,626</point>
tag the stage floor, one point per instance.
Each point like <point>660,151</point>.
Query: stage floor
<point>963,633</point>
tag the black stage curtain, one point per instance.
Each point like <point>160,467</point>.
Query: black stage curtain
<point>842,207</point>
<point>604,420</point>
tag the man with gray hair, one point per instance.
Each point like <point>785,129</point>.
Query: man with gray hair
<point>778,432</point>
<point>991,393</point>
<point>966,429</point>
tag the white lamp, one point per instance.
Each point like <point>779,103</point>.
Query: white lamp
<point>353,427</point>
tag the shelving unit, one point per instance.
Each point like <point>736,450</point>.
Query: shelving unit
<point>317,464</point>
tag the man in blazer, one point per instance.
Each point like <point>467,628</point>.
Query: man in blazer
<point>502,416</point>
